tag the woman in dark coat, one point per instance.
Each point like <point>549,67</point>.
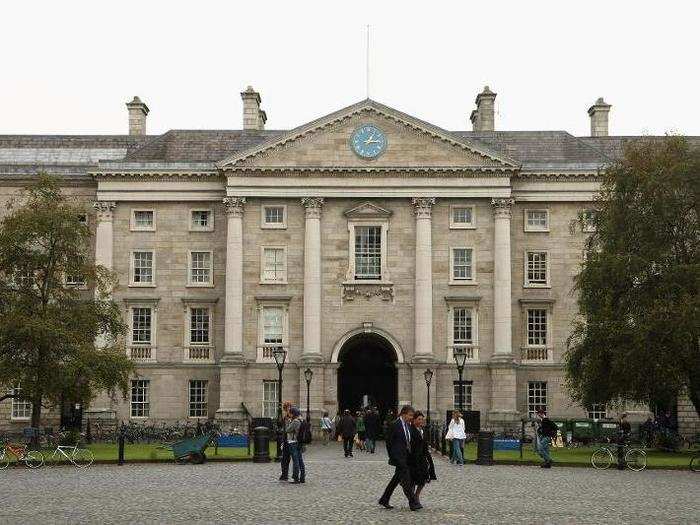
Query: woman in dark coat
<point>420,462</point>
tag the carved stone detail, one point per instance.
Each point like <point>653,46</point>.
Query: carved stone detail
<point>384,291</point>
<point>313,206</point>
<point>234,206</point>
<point>502,207</point>
<point>105,210</point>
<point>423,206</point>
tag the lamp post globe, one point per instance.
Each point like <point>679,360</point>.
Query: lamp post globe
<point>428,376</point>
<point>460,357</point>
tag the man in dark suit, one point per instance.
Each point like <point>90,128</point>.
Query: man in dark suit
<point>398,446</point>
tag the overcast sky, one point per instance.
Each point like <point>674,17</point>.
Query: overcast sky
<point>69,67</point>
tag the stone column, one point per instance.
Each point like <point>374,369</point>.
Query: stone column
<point>312,279</point>
<point>104,236</point>
<point>502,317</point>
<point>424,280</point>
<point>233,331</point>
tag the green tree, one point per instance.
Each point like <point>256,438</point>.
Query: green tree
<point>638,334</point>
<point>48,328</point>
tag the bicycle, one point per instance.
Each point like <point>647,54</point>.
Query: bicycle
<point>33,459</point>
<point>603,457</point>
<point>79,457</point>
<point>695,463</point>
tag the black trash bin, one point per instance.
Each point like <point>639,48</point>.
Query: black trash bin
<point>484,448</point>
<point>261,445</point>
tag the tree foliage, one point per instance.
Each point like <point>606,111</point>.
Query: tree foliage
<point>48,329</point>
<point>637,336</point>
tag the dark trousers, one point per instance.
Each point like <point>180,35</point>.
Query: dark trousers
<point>347,445</point>
<point>401,476</point>
<point>286,458</point>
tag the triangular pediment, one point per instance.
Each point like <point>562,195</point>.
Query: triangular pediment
<point>412,144</point>
<point>367,210</point>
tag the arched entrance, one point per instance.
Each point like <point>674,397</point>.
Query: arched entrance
<point>367,368</point>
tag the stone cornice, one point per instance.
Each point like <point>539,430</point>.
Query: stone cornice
<point>154,174</point>
<point>467,171</point>
<point>557,176</point>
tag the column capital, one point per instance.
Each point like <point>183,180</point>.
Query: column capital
<point>234,206</point>
<point>104,210</point>
<point>502,207</point>
<point>423,206</point>
<point>312,206</point>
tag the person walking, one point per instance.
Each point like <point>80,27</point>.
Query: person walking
<point>456,432</point>
<point>360,425</point>
<point>398,446</point>
<point>545,430</point>
<point>295,445</point>
<point>326,428</point>
<point>420,462</point>
<point>347,429</point>
<point>286,458</point>
<point>371,429</point>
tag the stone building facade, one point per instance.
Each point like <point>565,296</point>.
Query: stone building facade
<point>366,270</point>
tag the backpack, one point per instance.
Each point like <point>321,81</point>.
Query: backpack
<point>305,436</point>
<point>549,429</point>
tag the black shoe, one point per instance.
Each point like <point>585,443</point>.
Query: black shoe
<point>386,505</point>
<point>283,478</point>
<point>415,507</point>
<point>351,456</point>
<point>548,464</point>
<point>296,482</point>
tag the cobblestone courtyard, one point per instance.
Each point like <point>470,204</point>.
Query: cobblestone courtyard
<point>342,490</point>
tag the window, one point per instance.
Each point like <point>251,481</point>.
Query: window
<point>536,397</point>
<point>462,217</point>
<point>21,409</point>
<point>536,220</point>
<point>75,280</point>
<point>274,264</point>
<point>273,325</point>
<point>462,332</point>
<point>142,264</point>
<point>588,217</point>
<point>597,411</point>
<point>200,322</point>
<point>200,273</point>
<point>536,269</point>
<point>462,326</point>
<point>143,220</point>
<point>201,220</point>
<point>141,324</point>
<point>272,329</point>
<point>466,394</point>
<point>140,398</point>
<point>198,398</point>
<point>368,252</point>
<point>270,399</point>
<point>537,327</point>
<point>274,217</point>
<point>462,266</point>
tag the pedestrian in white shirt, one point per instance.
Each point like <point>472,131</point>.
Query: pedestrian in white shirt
<point>456,432</point>
<point>326,428</point>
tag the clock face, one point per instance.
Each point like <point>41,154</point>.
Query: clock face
<point>368,141</point>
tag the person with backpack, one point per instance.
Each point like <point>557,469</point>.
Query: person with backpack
<point>545,431</point>
<point>295,433</point>
<point>326,428</point>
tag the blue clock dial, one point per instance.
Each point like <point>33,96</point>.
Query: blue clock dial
<point>368,141</point>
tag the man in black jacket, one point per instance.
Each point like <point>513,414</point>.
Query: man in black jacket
<point>347,429</point>
<point>398,445</point>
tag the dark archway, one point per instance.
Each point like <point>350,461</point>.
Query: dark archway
<point>367,367</point>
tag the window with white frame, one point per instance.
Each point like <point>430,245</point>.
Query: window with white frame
<point>274,217</point>
<point>462,334</point>
<point>536,269</point>
<point>200,326</point>
<point>368,252</point>
<point>21,409</point>
<point>200,270</point>
<point>537,327</point>
<point>466,394</point>
<point>140,398</point>
<point>75,280</point>
<point>274,264</point>
<point>142,268</point>
<point>270,399</point>
<point>461,265</point>
<point>143,220</point>
<point>536,397</point>
<point>536,220</point>
<point>198,398</point>
<point>141,326</point>
<point>462,217</point>
<point>597,411</point>
<point>201,220</point>
<point>273,325</point>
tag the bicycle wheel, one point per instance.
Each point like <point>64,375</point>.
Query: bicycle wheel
<point>601,459</point>
<point>33,459</point>
<point>82,458</point>
<point>5,460</point>
<point>53,459</point>
<point>694,464</point>
<point>636,459</point>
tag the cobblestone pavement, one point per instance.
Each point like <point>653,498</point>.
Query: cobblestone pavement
<point>340,490</point>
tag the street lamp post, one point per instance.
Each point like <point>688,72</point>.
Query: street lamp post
<point>460,356</point>
<point>308,375</point>
<point>280,355</point>
<point>428,376</point>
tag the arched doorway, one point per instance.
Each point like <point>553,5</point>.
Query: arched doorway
<point>367,368</point>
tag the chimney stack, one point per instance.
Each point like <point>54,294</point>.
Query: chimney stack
<point>253,116</point>
<point>138,111</point>
<point>482,117</point>
<point>599,118</point>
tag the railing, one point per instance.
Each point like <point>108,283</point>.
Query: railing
<point>265,353</point>
<point>143,354</point>
<point>535,354</point>
<point>199,354</point>
<point>471,351</point>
